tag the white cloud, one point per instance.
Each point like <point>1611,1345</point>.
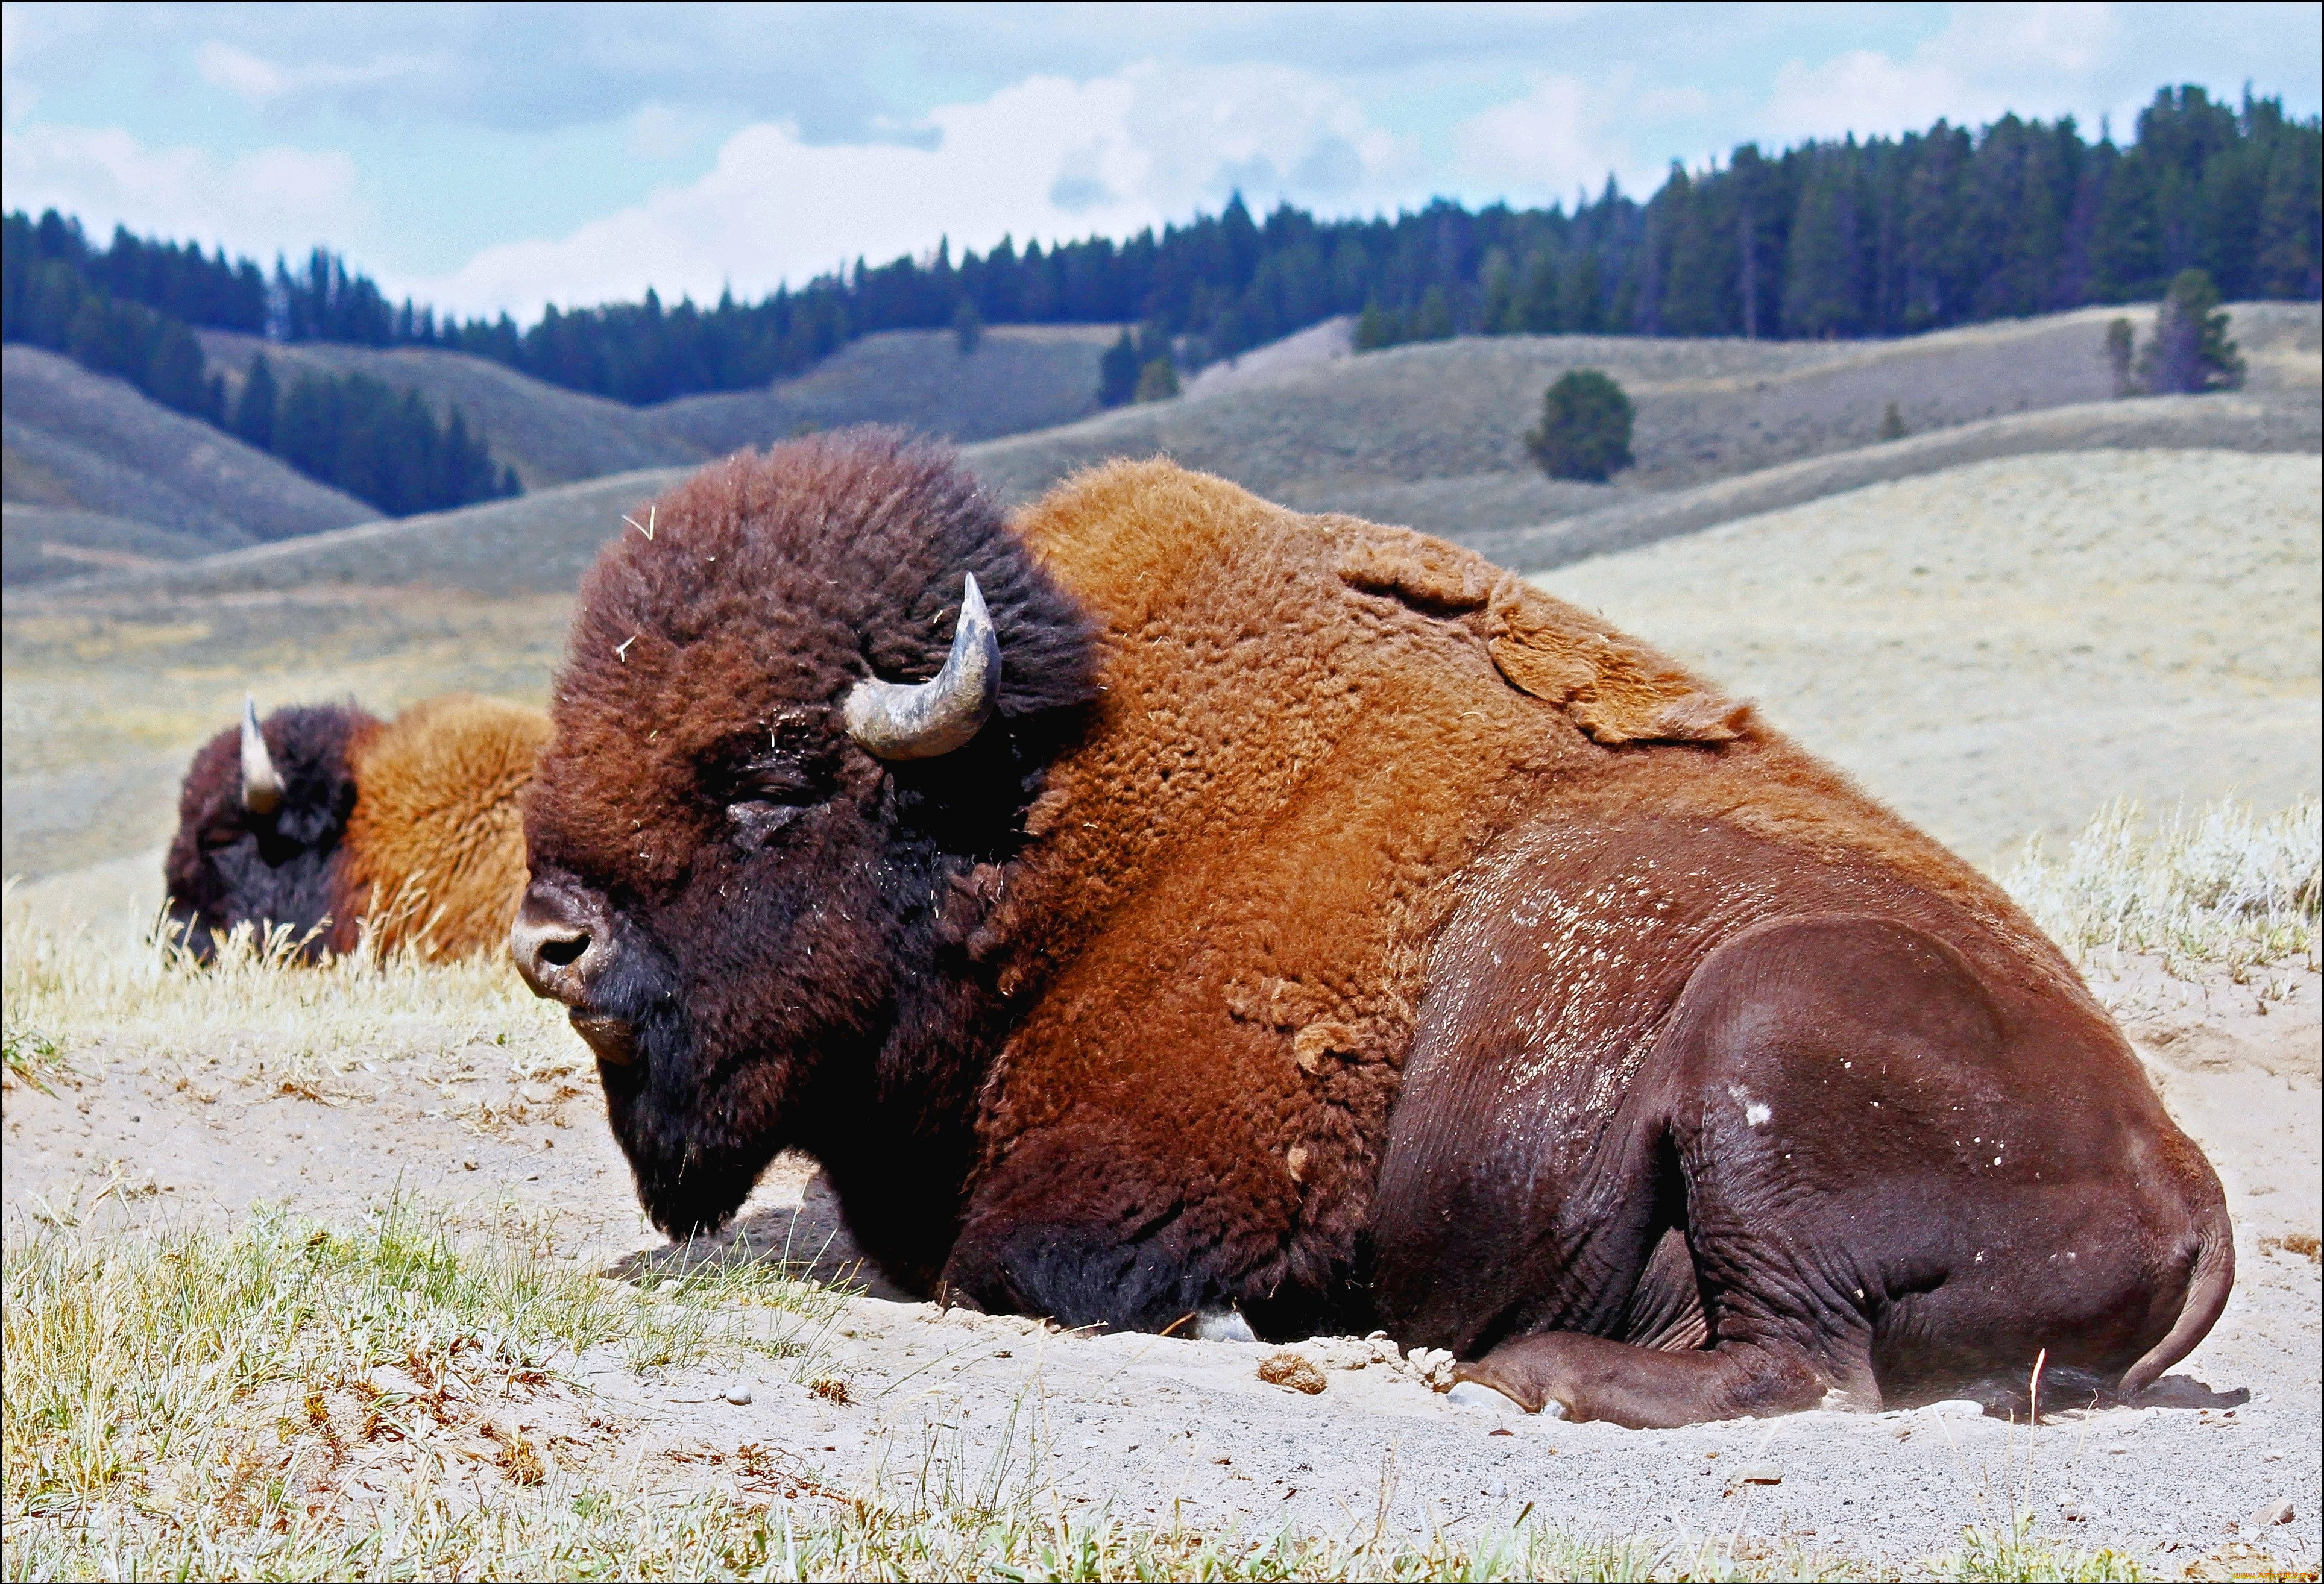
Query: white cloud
<point>1557,140</point>
<point>1045,157</point>
<point>259,82</point>
<point>252,201</point>
<point>1986,61</point>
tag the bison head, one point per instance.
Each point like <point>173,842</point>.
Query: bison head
<point>262,824</point>
<point>795,735</point>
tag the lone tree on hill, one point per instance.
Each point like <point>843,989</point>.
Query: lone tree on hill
<point>2118,354</point>
<point>967,328</point>
<point>1117,373</point>
<point>1585,427</point>
<point>1158,380</point>
<point>2191,351</point>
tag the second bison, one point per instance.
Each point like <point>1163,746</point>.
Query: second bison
<point>1167,902</point>
<point>338,829</point>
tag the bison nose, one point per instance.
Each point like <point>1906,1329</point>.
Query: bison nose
<point>559,941</point>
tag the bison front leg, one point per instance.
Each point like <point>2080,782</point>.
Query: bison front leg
<point>1579,1376</point>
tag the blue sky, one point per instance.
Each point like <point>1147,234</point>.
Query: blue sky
<point>489,157</point>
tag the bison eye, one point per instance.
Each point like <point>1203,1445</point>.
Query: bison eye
<point>219,840</point>
<point>765,798</point>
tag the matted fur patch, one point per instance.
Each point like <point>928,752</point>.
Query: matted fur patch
<point>1616,690</point>
<point>1421,572</point>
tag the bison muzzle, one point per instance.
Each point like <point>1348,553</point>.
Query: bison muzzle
<point>1164,903</point>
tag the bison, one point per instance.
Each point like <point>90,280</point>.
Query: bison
<point>332,824</point>
<point>1165,903</point>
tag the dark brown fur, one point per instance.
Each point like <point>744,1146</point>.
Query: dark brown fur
<point>1332,926</point>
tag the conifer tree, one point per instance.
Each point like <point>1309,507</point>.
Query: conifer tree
<point>1117,373</point>
<point>1539,307</point>
<point>2191,351</point>
<point>2117,355</point>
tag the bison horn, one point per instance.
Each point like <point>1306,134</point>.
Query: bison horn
<point>261,789</point>
<point>906,720</point>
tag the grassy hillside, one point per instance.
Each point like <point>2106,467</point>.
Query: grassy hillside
<point>534,544</point>
<point>549,434</point>
<point>1403,437</point>
<point>39,544</point>
<point>90,443</point>
<point>1998,649</point>
<point>1021,378</point>
<point>1433,435</point>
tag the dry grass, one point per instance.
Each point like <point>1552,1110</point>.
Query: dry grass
<point>142,990</point>
<point>287,1398</point>
<point>291,1400</point>
<point>2222,886</point>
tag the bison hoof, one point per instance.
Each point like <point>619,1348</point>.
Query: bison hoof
<point>1223,1325</point>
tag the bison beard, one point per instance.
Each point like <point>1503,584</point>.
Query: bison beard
<point>1328,925</point>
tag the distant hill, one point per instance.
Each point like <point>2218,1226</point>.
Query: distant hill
<point>1430,435</point>
<point>1019,378</point>
<point>39,544</point>
<point>82,443</point>
<point>1022,377</point>
<point>549,434</point>
<point>538,543</point>
<point>87,442</point>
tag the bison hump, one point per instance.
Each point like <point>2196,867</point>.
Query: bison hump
<point>1616,689</point>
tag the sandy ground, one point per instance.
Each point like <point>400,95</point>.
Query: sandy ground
<point>1154,1427</point>
<point>1997,649</point>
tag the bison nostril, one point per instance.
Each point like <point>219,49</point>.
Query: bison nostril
<point>564,954</point>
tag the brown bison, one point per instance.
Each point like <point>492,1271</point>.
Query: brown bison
<point>1306,916</point>
<point>331,822</point>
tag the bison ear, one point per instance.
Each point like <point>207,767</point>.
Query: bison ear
<point>261,789</point>
<point>906,720</point>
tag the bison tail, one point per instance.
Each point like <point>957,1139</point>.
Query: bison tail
<point>2206,1295</point>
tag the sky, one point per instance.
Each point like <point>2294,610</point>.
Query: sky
<point>488,157</point>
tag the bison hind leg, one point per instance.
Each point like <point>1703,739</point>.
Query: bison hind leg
<point>1644,1387</point>
<point>1665,1310</point>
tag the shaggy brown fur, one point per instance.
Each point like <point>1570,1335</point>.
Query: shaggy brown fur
<point>437,837</point>
<point>407,830</point>
<point>1329,924</point>
<point>1307,732</point>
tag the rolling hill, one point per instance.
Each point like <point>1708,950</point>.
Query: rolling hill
<point>39,544</point>
<point>549,434</point>
<point>1431,436</point>
<point>1019,378</point>
<point>88,443</point>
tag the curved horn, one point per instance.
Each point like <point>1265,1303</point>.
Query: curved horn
<point>908,720</point>
<point>261,789</point>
